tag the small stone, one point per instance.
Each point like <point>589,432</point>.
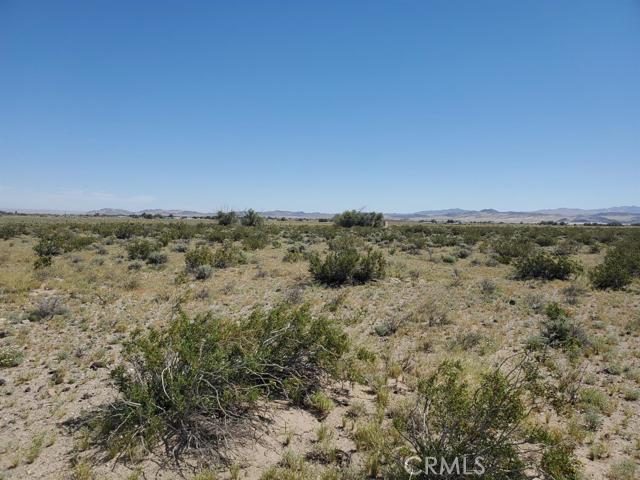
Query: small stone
<point>97,365</point>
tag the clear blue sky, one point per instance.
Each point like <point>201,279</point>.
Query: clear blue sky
<point>326,105</point>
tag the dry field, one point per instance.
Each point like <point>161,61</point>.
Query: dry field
<point>447,293</point>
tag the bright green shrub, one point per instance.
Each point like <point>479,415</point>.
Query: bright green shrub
<point>198,382</point>
<point>545,266</point>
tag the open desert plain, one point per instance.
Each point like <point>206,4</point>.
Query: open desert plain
<point>206,349</point>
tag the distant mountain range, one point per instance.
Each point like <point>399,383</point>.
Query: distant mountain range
<point>623,214</point>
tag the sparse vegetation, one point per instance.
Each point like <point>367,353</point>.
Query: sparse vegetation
<point>445,291</point>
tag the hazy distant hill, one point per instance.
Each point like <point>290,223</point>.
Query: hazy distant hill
<point>622,214</point>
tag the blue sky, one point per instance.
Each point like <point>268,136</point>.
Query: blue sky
<point>395,106</point>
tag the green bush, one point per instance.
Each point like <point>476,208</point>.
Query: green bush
<point>52,244</point>
<point>140,249</point>
<point>255,240</point>
<point>157,258</point>
<point>450,419</point>
<point>228,255</point>
<point>353,218</point>
<point>507,249</point>
<point>47,308</point>
<point>558,330</point>
<point>198,257</point>
<point>227,218</point>
<point>621,264</point>
<point>545,266</point>
<point>344,263</point>
<point>199,382</point>
<point>203,272</point>
<point>295,254</point>
<point>251,219</point>
<point>10,357</point>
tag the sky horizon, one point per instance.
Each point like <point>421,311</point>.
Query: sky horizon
<point>319,106</point>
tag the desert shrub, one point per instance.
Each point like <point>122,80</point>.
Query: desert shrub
<point>199,383</point>
<point>558,461</point>
<point>49,246</point>
<point>251,219</point>
<point>294,254</point>
<point>625,469</point>
<point>123,231</point>
<point>227,218</point>
<point>202,272</point>
<point>567,247</point>
<point>353,218</point>
<point>611,274</point>
<point>592,399</point>
<point>140,249</point>
<point>198,257</point>
<point>180,247</point>
<point>344,263</point>
<point>429,312</point>
<point>135,266</point>
<point>507,249</point>
<point>10,357</point>
<point>320,403</point>
<point>545,266</point>
<point>545,240</point>
<point>157,258</point>
<point>218,235</point>
<point>559,330</point>
<point>47,308</point>
<point>621,264</point>
<point>255,240</point>
<point>448,259</point>
<point>11,230</point>
<point>387,327</point>
<point>52,244</point>
<point>487,286</point>
<point>228,255</point>
<point>572,293</point>
<point>450,419</point>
